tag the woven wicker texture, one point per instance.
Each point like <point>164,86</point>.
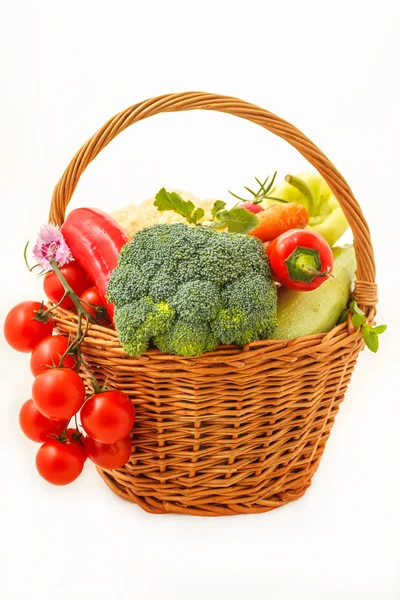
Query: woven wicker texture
<point>235,430</point>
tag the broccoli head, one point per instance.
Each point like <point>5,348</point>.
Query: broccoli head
<point>187,339</point>
<point>188,289</point>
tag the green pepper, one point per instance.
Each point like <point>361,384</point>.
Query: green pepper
<point>325,213</point>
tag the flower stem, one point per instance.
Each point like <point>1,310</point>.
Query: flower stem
<point>68,290</point>
<point>30,269</point>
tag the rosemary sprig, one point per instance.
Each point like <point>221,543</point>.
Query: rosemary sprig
<point>263,193</point>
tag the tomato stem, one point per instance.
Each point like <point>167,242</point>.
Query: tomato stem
<point>49,310</point>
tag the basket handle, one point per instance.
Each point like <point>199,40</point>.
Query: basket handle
<point>365,291</point>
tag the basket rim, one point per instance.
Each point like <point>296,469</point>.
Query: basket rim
<point>107,338</point>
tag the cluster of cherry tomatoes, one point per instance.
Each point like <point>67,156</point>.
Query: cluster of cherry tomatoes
<point>58,391</point>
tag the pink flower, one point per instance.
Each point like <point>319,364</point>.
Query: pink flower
<point>51,244</point>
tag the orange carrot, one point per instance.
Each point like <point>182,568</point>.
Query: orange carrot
<point>278,218</point>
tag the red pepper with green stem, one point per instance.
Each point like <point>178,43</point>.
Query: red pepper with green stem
<point>300,259</point>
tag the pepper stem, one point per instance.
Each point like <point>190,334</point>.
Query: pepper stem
<point>306,191</point>
<point>304,264</point>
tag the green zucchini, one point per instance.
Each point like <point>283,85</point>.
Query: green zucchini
<point>306,313</point>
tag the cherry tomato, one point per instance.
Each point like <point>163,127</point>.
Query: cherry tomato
<point>109,456</point>
<point>92,297</point>
<point>108,417</point>
<point>76,278</point>
<point>21,330</point>
<point>252,207</point>
<point>48,353</point>
<point>75,437</point>
<point>59,463</point>
<point>301,259</point>
<point>37,427</point>
<point>58,393</point>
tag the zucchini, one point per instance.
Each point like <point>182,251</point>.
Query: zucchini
<point>306,313</point>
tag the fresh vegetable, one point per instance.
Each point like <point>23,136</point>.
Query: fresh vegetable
<point>49,352</point>
<point>252,207</point>
<point>76,278</point>
<point>37,427</point>
<point>135,217</point>
<point>108,416</point>
<point>95,240</point>
<point>326,216</point>
<point>300,259</point>
<point>94,303</point>
<point>109,456</point>
<point>370,332</point>
<point>235,220</point>
<point>21,329</point>
<point>59,463</point>
<point>75,437</point>
<point>190,288</point>
<point>278,218</point>
<point>317,311</point>
<point>92,300</point>
<point>58,393</point>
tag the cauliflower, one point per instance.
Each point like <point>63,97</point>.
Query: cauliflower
<point>135,217</point>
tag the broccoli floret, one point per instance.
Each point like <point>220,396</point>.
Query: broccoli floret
<point>187,339</point>
<point>138,322</point>
<point>163,285</point>
<point>188,289</point>
<point>250,313</point>
<point>197,301</point>
<point>126,284</point>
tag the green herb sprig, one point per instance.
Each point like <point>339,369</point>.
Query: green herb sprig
<point>264,191</point>
<point>236,219</point>
<point>369,332</point>
<point>173,201</point>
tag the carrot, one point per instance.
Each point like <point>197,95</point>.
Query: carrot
<point>278,218</point>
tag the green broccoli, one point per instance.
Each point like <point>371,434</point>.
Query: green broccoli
<point>187,339</point>
<point>188,289</point>
<point>138,322</point>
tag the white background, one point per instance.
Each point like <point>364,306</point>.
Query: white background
<point>331,68</point>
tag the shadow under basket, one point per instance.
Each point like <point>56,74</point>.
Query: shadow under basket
<point>237,430</point>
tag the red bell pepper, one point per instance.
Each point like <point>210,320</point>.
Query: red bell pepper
<point>95,240</point>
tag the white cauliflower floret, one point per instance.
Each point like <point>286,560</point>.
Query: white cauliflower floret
<point>134,217</point>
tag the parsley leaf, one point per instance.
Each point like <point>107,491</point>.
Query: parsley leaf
<point>237,220</point>
<point>218,205</point>
<point>173,201</point>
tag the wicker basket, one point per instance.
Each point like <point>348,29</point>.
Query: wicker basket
<point>235,430</point>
